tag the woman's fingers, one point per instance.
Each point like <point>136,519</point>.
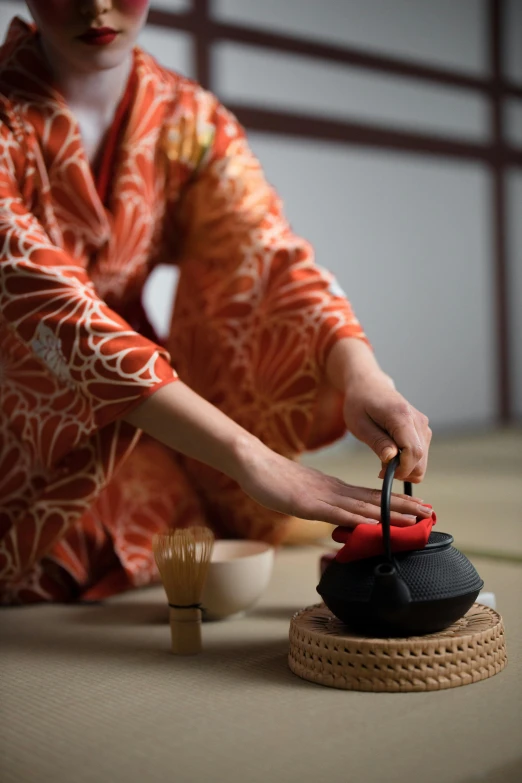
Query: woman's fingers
<point>401,504</point>
<point>348,515</point>
<point>345,505</point>
<point>411,499</point>
<point>337,515</point>
<point>361,512</point>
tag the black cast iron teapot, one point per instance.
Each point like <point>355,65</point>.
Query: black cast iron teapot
<point>404,593</point>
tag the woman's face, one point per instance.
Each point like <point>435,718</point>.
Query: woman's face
<point>89,34</point>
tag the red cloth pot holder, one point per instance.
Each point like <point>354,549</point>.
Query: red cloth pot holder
<point>366,540</point>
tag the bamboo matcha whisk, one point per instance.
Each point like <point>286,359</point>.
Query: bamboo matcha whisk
<point>182,557</point>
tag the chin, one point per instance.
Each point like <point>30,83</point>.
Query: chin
<point>103,60</point>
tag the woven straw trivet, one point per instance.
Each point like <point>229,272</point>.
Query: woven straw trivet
<point>324,651</point>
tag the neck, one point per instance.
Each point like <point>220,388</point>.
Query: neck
<point>95,91</point>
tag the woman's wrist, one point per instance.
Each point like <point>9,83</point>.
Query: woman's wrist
<point>244,449</point>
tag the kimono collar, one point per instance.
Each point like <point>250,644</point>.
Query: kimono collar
<point>27,81</point>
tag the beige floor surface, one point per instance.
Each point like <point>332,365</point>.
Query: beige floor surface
<point>91,694</point>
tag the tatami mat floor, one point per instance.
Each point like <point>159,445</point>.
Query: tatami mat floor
<point>92,694</point>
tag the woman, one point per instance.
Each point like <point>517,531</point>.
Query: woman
<point>110,164</point>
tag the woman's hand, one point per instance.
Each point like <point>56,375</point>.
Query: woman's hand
<point>376,413</point>
<point>290,488</point>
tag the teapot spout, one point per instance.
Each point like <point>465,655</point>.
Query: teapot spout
<point>390,592</point>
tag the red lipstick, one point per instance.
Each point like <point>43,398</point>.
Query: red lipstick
<point>98,36</point>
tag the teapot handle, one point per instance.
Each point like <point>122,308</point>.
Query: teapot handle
<point>386,500</point>
<point>390,593</point>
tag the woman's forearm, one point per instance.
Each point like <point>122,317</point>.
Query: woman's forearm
<point>184,421</point>
<point>350,361</point>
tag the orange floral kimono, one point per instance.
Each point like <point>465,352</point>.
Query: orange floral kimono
<point>81,495</point>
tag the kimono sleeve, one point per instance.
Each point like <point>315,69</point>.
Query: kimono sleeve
<point>237,248</point>
<point>49,304</point>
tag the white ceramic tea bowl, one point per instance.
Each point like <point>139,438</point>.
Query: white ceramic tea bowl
<point>238,574</point>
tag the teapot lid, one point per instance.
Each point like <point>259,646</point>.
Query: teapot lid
<point>438,540</point>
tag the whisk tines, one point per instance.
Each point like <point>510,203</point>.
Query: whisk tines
<point>182,557</point>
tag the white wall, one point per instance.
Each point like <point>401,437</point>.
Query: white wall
<point>171,48</point>
<point>408,239</point>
